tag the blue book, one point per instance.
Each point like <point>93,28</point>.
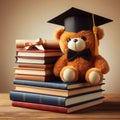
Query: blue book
<point>52,84</point>
<point>54,100</point>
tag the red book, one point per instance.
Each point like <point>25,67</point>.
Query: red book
<point>57,108</point>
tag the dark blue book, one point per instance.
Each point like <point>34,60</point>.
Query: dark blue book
<point>52,84</point>
<point>54,100</point>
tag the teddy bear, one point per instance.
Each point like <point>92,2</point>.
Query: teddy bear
<point>78,62</point>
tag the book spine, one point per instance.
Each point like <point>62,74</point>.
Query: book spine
<point>37,98</point>
<point>42,84</point>
<point>39,106</point>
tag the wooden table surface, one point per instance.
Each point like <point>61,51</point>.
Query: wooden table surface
<point>109,110</point>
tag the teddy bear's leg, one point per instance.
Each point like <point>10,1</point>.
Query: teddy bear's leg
<point>69,74</point>
<point>94,76</point>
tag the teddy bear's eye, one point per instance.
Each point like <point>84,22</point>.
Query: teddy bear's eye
<point>68,39</point>
<point>84,38</point>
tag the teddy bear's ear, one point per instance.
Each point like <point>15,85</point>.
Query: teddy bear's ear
<point>100,33</point>
<point>58,33</point>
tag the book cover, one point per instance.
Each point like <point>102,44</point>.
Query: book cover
<point>58,108</point>
<point>56,92</point>
<point>53,100</point>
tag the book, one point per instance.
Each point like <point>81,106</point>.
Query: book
<point>53,100</point>
<point>56,84</point>
<point>39,53</point>
<point>40,78</point>
<point>36,60</point>
<point>56,92</point>
<point>42,66</point>
<point>60,109</point>
<point>33,71</point>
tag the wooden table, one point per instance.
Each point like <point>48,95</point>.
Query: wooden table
<point>109,110</point>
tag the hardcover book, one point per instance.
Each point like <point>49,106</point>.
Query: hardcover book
<point>39,53</point>
<point>33,71</point>
<point>42,66</point>
<point>54,100</point>
<point>36,60</point>
<point>40,78</point>
<point>60,109</point>
<point>56,84</point>
<point>56,92</point>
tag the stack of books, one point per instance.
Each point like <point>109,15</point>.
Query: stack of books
<point>36,91</point>
<point>34,62</point>
<point>55,96</point>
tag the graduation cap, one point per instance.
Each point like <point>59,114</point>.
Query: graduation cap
<point>75,20</point>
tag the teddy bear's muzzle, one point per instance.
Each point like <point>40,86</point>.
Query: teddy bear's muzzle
<point>76,44</point>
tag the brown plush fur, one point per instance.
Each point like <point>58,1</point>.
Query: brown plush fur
<point>80,64</point>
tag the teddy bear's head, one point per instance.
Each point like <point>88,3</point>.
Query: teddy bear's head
<point>77,41</point>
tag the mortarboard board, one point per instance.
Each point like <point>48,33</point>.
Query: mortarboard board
<point>75,20</point>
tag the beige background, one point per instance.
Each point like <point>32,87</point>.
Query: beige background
<point>27,19</point>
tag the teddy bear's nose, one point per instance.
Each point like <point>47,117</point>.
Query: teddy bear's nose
<point>75,40</point>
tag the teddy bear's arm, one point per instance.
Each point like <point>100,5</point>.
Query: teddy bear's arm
<point>101,64</point>
<point>61,62</point>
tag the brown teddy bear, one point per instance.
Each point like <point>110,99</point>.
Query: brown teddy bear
<point>79,41</point>
<point>78,61</point>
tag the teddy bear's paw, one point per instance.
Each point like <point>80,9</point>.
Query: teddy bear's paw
<point>94,76</point>
<point>69,74</point>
